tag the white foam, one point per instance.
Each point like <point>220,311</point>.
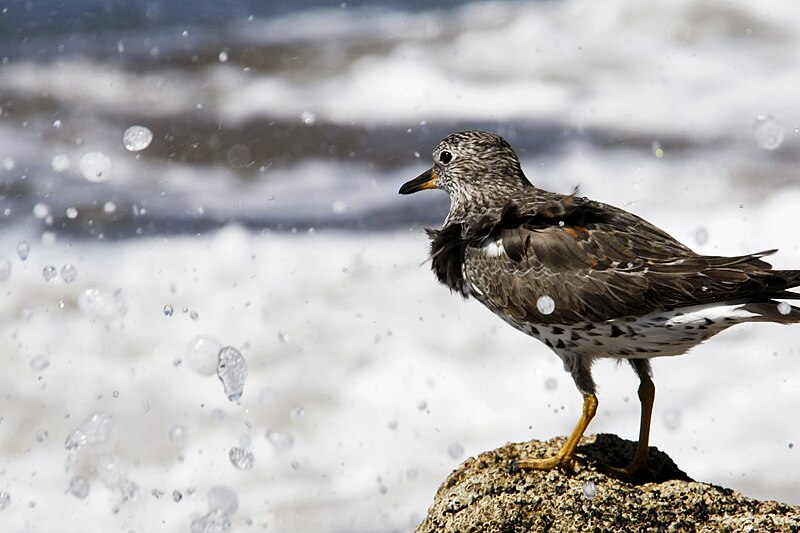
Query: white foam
<point>360,368</point>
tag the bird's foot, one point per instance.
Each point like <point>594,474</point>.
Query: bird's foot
<point>635,470</point>
<point>562,462</point>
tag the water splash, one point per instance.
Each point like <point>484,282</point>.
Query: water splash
<point>222,504</point>
<point>69,273</point>
<point>202,355</point>
<point>589,490</point>
<point>545,304</point>
<point>768,132</point>
<point>49,273</point>
<point>5,500</point>
<point>79,487</point>
<point>23,249</point>
<point>241,458</point>
<point>137,138</point>
<point>94,440</point>
<point>97,302</point>
<point>455,450</point>
<point>232,371</point>
<point>95,166</point>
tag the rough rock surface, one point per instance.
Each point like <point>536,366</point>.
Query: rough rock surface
<point>487,494</point>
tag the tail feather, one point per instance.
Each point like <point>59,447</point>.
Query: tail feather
<point>774,311</point>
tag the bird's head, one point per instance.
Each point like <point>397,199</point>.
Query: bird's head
<point>478,169</point>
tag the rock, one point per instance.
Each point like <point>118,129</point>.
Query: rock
<point>487,494</point>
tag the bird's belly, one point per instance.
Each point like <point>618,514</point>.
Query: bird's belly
<point>661,334</point>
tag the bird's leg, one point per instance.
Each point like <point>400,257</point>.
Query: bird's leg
<point>566,455</point>
<point>647,394</point>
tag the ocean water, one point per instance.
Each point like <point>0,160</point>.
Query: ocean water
<point>256,207</point>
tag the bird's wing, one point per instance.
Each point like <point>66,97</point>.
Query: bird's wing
<point>597,263</point>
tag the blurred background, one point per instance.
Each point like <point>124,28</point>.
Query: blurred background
<point>178,176</point>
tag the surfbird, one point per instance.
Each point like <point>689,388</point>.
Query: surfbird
<point>587,279</point>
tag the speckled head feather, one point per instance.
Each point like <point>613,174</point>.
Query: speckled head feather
<point>478,169</point>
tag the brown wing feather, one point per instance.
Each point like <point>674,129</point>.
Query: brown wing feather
<point>598,263</point>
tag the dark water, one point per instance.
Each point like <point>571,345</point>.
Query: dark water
<point>293,115</point>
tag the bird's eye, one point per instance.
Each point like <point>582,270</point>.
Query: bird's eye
<point>445,157</point>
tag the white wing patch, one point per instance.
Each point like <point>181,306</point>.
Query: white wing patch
<point>494,248</point>
<point>715,313</point>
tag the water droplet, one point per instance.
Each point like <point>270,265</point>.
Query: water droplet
<point>297,412</point>
<point>784,308</point>
<point>127,488</point>
<point>283,336</point>
<point>545,304</point>
<point>71,213</point>
<point>239,156</point>
<point>178,434</point>
<point>550,384</point>
<point>79,487</point>
<point>241,458</point>
<point>56,123</point>
<point>41,435</point>
<point>232,372</point>
<point>672,419</point>
<point>39,362</point>
<point>95,166</point>
<point>657,150</point>
<point>69,273</point>
<point>589,490</point>
<point>41,210</point>
<point>202,355</point>
<point>23,249</point>
<point>701,235</point>
<point>157,493</point>
<point>96,432</point>
<point>49,272</point>
<point>280,440</point>
<point>223,56</point>
<point>96,302</point>
<point>5,500</point>
<point>5,269</point>
<point>768,132</point>
<point>109,207</point>
<point>8,163</point>
<point>455,450</point>
<point>176,495</point>
<point>308,117</point>
<point>168,310</point>
<point>60,162</point>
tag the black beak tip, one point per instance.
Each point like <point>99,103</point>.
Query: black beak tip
<point>423,181</point>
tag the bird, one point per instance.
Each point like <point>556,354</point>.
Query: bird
<point>589,280</point>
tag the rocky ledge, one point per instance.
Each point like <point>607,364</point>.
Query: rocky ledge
<point>487,494</point>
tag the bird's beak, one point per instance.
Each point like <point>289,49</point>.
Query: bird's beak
<point>426,180</point>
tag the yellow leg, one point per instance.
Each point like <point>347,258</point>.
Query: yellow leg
<point>647,395</point>
<point>566,455</point>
